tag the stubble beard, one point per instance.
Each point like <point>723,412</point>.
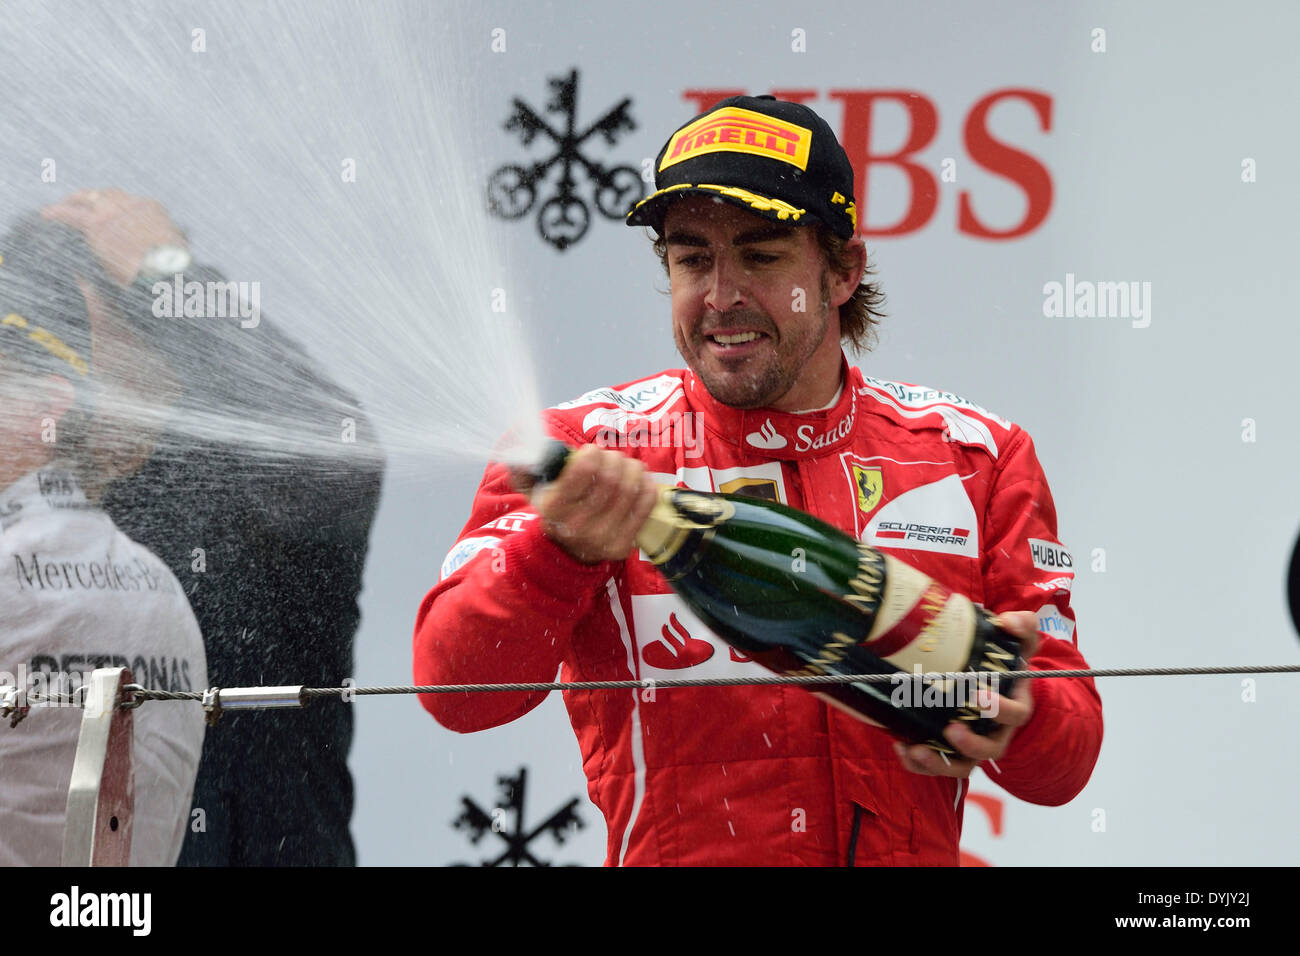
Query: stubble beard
<point>760,383</point>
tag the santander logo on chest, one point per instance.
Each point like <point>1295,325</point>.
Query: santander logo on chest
<point>670,639</point>
<point>806,436</point>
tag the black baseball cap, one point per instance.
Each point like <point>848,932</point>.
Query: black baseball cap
<point>44,324</point>
<point>776,159</point>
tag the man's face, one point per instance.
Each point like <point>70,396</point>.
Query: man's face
<point>753,313</point>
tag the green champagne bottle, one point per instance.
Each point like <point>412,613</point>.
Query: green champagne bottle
<point>802,597</point>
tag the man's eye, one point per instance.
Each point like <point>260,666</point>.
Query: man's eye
<point>690,262</point>
<point>762,258</point>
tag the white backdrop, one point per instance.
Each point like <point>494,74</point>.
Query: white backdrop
<point>1142,430</point>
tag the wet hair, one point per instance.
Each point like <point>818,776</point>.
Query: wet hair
<point>860,316</point>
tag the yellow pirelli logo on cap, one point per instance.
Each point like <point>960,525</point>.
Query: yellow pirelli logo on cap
<point>733,130</point>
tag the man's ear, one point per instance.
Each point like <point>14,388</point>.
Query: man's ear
<point>844,284</point>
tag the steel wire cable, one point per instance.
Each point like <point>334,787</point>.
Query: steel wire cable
<point>310,693</point>
<point>134,694</point>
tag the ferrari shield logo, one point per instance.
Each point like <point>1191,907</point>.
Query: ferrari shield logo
<point>870,484</point>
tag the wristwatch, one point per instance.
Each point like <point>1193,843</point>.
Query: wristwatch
<point>162,262</point>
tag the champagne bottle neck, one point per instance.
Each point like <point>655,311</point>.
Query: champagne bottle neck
<point>662,535</point>
<point>680,525</point>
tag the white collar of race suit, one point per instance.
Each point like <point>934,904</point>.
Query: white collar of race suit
<point>831,404</point>
<point>765,433</point>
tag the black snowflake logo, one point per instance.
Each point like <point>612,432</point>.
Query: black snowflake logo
<point>563,219</point>
<point>480,822</point>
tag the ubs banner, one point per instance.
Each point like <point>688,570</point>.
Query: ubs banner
<point>1082,217</point>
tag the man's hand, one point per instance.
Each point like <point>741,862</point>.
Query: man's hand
<point>1013,712</point>
<point>119,228</point>
<point>597,505</point>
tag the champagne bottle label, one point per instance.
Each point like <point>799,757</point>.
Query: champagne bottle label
<point>919,624</point>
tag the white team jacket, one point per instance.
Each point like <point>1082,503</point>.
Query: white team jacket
<point>76,594</point>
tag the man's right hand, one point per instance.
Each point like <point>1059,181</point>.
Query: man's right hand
<point>597,505</point>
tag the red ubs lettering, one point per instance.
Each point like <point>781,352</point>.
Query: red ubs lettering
<point>1022,169</point>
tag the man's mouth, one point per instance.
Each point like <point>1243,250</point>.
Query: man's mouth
<point>730,340</point>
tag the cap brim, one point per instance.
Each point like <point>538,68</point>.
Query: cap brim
<point>651,210</point>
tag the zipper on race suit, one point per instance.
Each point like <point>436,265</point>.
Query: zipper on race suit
<point>853,834</point>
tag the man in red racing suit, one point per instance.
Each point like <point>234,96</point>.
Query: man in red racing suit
<point>760,774</point>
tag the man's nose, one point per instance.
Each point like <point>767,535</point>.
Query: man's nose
<point>726,286</point>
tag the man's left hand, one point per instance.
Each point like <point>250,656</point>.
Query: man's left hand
<point>1013,713</point>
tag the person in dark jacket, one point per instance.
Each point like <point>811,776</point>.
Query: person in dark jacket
<point>257,486</point>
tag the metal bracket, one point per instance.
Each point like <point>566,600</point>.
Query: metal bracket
<point>101,797</point>
<point>217,700</point>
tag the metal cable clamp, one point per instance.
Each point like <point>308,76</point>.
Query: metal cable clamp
<point>132,697</point>
<point>10,706</point>
<point>216,700</point>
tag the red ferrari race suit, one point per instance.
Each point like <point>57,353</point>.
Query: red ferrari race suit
<point>747,774</point>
